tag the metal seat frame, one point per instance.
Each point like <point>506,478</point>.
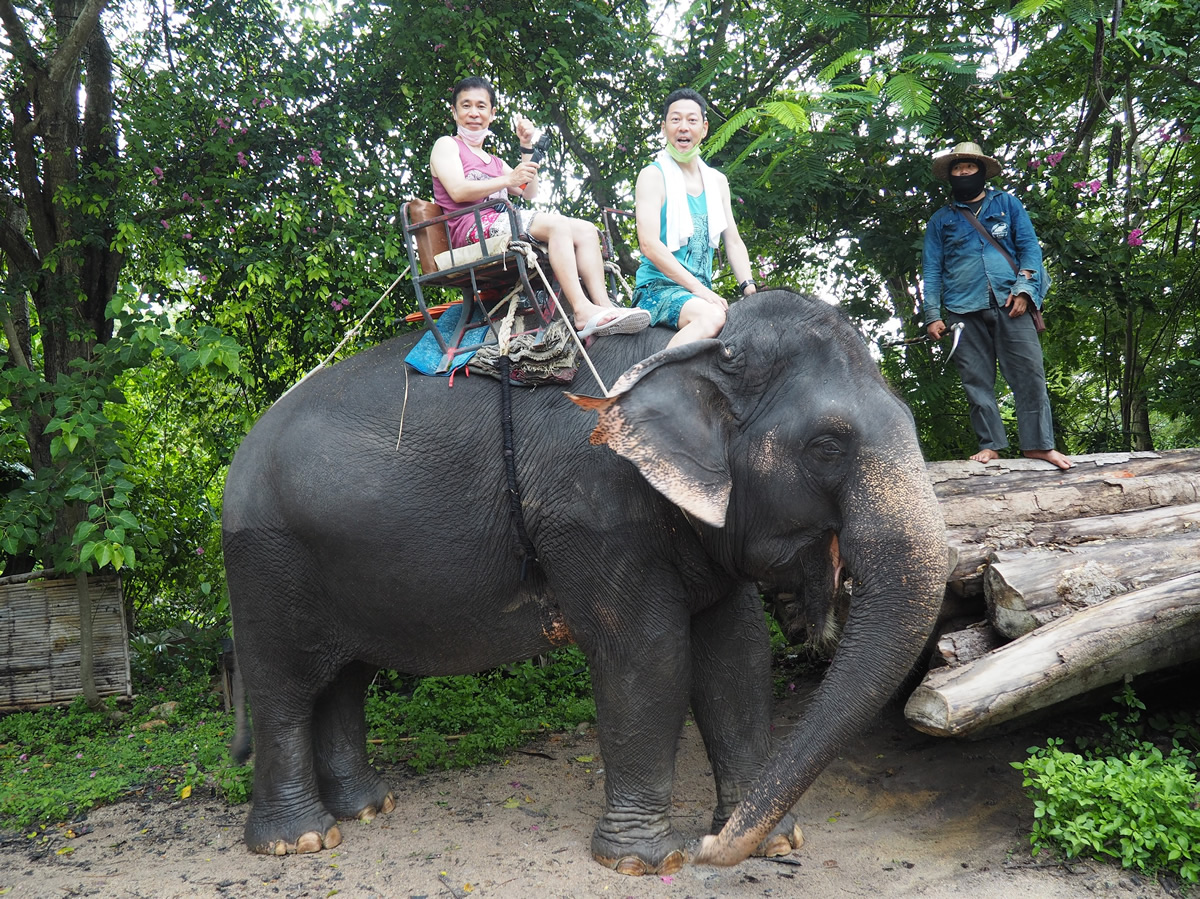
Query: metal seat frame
<point>492,276</point>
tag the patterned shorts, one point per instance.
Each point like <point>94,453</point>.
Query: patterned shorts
<point>498,224</point>
<point>664,300</point>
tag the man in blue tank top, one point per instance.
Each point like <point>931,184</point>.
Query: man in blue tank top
<point>683,210</point>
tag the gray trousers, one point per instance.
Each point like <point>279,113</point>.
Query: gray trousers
<point>990,337</point>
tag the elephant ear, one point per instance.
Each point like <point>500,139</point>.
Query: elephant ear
<point>670,416</point>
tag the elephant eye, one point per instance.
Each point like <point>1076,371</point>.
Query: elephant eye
<point>827,447</point>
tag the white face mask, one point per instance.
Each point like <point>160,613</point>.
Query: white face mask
<point>473,138</point>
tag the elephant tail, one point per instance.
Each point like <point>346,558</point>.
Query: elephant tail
<point>240,747</point>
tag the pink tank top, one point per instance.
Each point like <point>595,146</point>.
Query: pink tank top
<point>462,230</point>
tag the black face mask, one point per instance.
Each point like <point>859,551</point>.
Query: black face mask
<point>967,187</point>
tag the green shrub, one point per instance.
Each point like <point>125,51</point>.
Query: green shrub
<point>1121,798</point>
<point>57,763</point>
<point>455,722</point>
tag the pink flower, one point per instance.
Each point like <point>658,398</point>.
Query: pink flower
<point>437,47</point>
<point>166,225</point>
<point>314,156</point>
<point>229,141</point>
<point>741,202</point>
<point>1079,185</point>
<point>1035,163</point>
<point>1135,237</point>
<point>1054,159</point>
<point>203,280</point>
<point>158,173</point>
<point>187,235</point>
<point>1094,187</point>
<point>242,159</point>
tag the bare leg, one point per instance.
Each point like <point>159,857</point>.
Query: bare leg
<point>575,255</point>
<point>699,319</point>
<point>1053,456</point>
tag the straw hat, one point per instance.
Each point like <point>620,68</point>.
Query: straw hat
<point>969,151</point>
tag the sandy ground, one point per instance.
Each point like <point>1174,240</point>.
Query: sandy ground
<point>898,814</point>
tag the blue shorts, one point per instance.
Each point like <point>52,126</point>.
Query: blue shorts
<point>664,300</point>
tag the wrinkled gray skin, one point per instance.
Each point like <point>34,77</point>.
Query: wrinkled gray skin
<point>366,524</point>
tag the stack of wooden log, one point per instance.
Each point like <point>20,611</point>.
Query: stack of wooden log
<point>1078,578</point>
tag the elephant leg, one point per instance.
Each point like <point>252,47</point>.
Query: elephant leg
<point>731,702</point>
<point>349,786</point>
<point>283,682</point>
<point>641,702</point>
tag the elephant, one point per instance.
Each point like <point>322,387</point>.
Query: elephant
<point>369,523</point>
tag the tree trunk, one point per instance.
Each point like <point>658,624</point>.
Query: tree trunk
<point>87,653</point>
<point>1029,588</point>
<point>960,647</point>
<point>1146,630</point>
<point>975,496</point>
<point>975,545</point>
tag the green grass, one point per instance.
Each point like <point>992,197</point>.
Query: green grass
<point>57,763</point>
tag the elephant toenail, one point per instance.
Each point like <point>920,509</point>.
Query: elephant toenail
<point>389,803</point>
<point>333,837</point>
<point>631,865</point>
<point>309,842</point>
<point>673,863</point>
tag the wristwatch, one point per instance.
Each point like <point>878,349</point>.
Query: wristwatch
<point>747,283</point>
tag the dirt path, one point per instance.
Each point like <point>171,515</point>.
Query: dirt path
<point>898,814</point>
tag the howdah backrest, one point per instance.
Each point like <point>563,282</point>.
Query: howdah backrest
<point>431,240</point>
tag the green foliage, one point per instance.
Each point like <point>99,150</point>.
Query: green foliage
<point>55,764</point>
<point>448,722</point>
<point>1123,798</point>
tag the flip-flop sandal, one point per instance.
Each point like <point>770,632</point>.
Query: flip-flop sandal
<point>625,321</point>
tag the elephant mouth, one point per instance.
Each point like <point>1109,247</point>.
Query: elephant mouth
<point>812,602</point>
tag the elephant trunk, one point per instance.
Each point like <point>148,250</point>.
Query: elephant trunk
<point>894,544</point>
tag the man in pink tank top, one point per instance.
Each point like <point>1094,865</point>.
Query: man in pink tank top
<point>465,174</point>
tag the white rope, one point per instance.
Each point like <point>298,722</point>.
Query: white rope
<point>353,332</point>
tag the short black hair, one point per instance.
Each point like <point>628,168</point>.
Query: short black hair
<point>686,93</point>
<point>470,83</point>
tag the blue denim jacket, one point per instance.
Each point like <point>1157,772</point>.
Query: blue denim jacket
<point>959,265</point>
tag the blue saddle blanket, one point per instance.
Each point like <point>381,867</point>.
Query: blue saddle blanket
<point>426,356</point>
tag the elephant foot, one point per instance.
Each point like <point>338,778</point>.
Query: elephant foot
<point>361,796</point>
<point>284,830</point>
<point>386,807</point>
<point>778,845</point>
<point>308,842</point>
<point>638,848</point>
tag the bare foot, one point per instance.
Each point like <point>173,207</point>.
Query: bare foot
<point>1054,457</point>
<point>588,315</point>
<point>985,456</point>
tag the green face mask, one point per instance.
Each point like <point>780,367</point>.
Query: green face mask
<point>683,158</point>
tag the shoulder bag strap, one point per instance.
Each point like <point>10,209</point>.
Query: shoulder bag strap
<point>970,216</point>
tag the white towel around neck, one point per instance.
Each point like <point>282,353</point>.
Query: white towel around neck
<point>679,217</point>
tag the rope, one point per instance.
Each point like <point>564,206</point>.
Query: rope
<point>353,332</point>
